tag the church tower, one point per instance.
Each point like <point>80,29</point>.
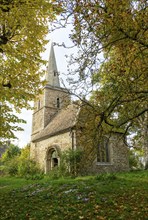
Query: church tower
<point>52,99</point>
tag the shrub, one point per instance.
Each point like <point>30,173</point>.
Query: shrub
<point>71,161</point>
<point>18,163</point>
<point>69,164</point>
<point>11,166</point>
<point>27,167</point>
<point>11,153</point>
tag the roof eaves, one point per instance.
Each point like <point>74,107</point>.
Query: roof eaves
<point>50,135</point>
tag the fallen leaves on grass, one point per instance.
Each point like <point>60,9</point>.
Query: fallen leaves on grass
<point>88,200</point>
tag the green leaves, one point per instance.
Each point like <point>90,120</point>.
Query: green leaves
<point>10,153</point>
<point>118,31</point>
<point>17,162</point>
<point>24,25</point>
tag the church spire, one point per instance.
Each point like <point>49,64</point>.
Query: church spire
<point>52,76</point>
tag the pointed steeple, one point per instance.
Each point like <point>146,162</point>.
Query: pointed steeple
<point>52,76</point>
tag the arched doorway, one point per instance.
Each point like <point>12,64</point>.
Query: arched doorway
<point>52,159</point>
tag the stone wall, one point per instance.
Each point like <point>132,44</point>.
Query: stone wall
<point>118,153</point>
<point>39,102</point>
<point>119,156</point>
<point>37,121</point>
<point>39,149</point>
<point>45,107</point>
<point>51,95</point>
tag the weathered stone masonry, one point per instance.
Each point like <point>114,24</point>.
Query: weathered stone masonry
<point>54,124</point>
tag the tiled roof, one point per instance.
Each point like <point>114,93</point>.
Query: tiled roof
<point>63,120</point>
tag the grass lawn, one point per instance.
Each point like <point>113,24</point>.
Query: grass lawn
<point>104,197</point>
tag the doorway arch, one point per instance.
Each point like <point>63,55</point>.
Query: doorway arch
<point>52,158</point>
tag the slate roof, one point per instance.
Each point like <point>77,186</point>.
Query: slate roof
<point>61,122</point>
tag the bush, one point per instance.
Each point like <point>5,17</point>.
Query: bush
<point>11,153</point>
<point>27,167</point>
<point>57,173</point>
<point>11,166</point>
<point>17,163</point>
<point>69,164</point>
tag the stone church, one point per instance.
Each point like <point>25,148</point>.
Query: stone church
<point>54,130</point>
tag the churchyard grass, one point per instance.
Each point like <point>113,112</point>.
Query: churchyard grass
<point>104,197</point>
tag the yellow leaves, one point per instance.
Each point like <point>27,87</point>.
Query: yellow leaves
<point>97,207</point>
<point>24,26</point>
<point>81,217</point>
<point>100,218</point>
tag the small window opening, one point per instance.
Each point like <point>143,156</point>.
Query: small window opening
<point>58,103</point>
<point>55,73</point>
<point>39,104</point>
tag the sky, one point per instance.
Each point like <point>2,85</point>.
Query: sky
<point>58,36</point>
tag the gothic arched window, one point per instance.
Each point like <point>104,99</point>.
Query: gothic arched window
<point>103,151</point>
